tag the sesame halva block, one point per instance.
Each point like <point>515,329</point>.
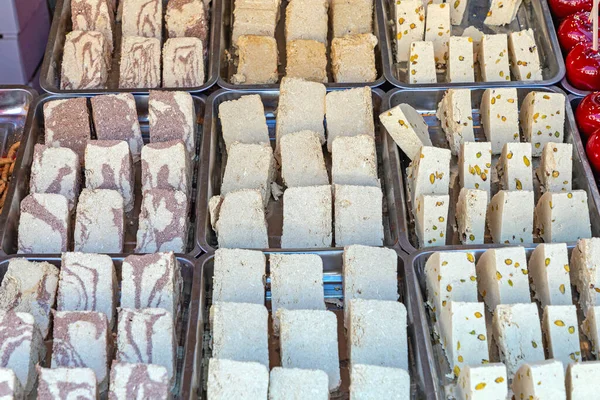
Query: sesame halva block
<point>94,15</point>
<point>349,113</point>
<point>542,119</point>
<point>258,59</point>
<point>457,11</point>
<point>461,67</point>
<point>517,333</point>
<point>307,217</point>
<point>183,63</point>
<point>65,383</point>
<point>142,18</point>
<point>172,116</point>
<point>139,381</point>
<point>100,221</point>
<point>166,165</point>
<point>358,215</point>
<point>524,57</point>
<point>136,74</point>
<point>438,30</point>
<point>407,127</point>
<point>302,160</point>
<point>241,221</point>
<point>306,59</point>
<point>422,68</point>
<point>583,272</point>
<point>456,119</point>
<point>354,161</point>
<point>556,168</point>
<point>239,276</point>
<point>494,58</point>
<point>591,328</point>
<point>243,120</point>
<point>549,271</point>
<point>85,64</point>
<point>502,12</point>
<point>429,173</point>
<point>510,217</point>
<point>306,19</point>
<point>500,117</point>
<point>288,383</point>
<point>229,379</point>
<point>187,18</point>
<point>44,224</point>
<point>582,380</point>
<point>540,380</point>
<point>482,382</point>
<point>514,167</point>
<point>476,35</point>
<point>471,211</point>
<point>410,26</point>
<point>11,387</point>
<point>475,165</point>
<point>431,214</point>
<point>370,382</point>
<point>563,217</point>
<point>562,334</point>
<point>353,58</point>
<point>350,17</point>
<point>258,17</point>
<point>67,124</point>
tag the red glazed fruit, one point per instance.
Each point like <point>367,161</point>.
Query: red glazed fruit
<point>583,67</point>
<point>593,151</point>
<point>587,114</point>
<point>576,28</point>
<point>562,8</point>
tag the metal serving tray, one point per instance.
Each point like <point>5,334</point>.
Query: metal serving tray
<point>419,370</point>
<point>442,384</point>
<point>61,25</point>
<point>35,134</point>
<point>228,60</point>
<point>426,102</point>
<point>572,89</point>
<point>214,160</point>
<point>186,329</point>
<point>533,14</point>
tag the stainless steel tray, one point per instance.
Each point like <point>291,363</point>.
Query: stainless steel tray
<point>61,25</point>
<point>426,102</point>
<point>35,134</point>
<point>442,384</point>
<point>228,60</point>
<point>572,89</point>
<point>214,158</point>
<point>419,370</point>
<point>533,14</point>
<point>187,327</point>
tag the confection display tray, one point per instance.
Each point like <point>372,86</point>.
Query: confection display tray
<point>533,14</point>
<point>228,59</point>
<point>186,328</point>
<point>214,160</point>
<point>35,135</point>
<point>61,26</point>
<point>419,369</point>
<point>572,89</point>
<point>426,103</point>
<point>442,385</point>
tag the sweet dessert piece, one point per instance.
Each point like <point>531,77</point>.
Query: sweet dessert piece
<point>373,382</point>
<point>55,170</point>
<point>309,341</point>
<point>591,328</point>
<point>493,58</point>
<point>476,35</point>
<point>581,380</point>
<point>67,383</point>
<point>563,217</point>
<point>239,332</point>
<point>88,282</point>
<point>94,15</point>
<point>358,215</point>
<point>108,165</point>
<point>287,383</point>
<point>67,124</point>
<point>562,335</point>
<point>549,271</point>
<point>474,166</point>
<point>172,116</point>
<point>183,63</point>
<point>140,62</point>
<point>354,161</point>
<point>142,18</point>
<point>43,224</point>
<point>540,380</point>
<point>524,57</point>
<point>457,11</point>
<point>22,346</point>
<point>407,127</point>
<point>461,67</point>
<point>236,380</point>
<point>377,333</point>
<point>470,215</point>
<point>514,167</point>
<point>349,113</point>
<point>446,276</point>
<point>10,387</point>
<point>438,30</point>
<point>151,281</point>
<point>350,17</point>
<point>502,12</point>
<point>147,337</point>
<point>254,17</point>
<point>306,19</point>
<point>482,382</point>
<point>422,65</point>
<point>296,283</point>
<point>100,222</point>
<point>464,324</point>
<point>301,107</point>
<point>518,335</point>
<point>543,119</point>
<point>239,276</point>
<point>249,166</point>
<point>243,120</point>
<point>306,59</point>
<point>510,217</point>
<point>410,26</point>
<point>84,62</point>
<point>163,222</point>
<point>187,18</point>
<point>139,381</point>
<point>454,113</point>
<point>583,272</point>
<point>431,213</point>
<point>81,340</point>
<point>258,59</point>
<point>307,217</point>
<point>116,118</point>
<point>241,221</point>
<point>306,167</point>
<point>166,165</point>
<point>353,58</point>
<point>500,117</point>
<point>429,173</point>
<point>556,168</point>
